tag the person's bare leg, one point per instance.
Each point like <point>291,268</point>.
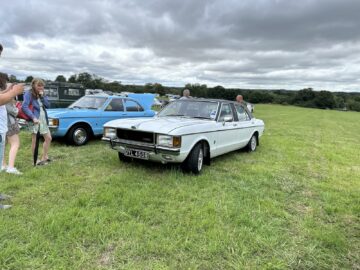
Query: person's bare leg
<point>14,147</point>
<point>46,146</point>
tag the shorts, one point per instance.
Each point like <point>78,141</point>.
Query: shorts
<point>13,129</point>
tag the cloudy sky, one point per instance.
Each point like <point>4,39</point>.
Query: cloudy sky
<point>267,44</point>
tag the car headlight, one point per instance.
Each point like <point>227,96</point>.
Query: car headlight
<point>110,132</point>
<point>53,122</point>
<point>168,141</point>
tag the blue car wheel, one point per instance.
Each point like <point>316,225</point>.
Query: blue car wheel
<point>78,135</point>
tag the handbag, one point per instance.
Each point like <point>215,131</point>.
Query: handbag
<point>21,113</point>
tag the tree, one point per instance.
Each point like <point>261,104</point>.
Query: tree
<point>72,79</point>
<point>159,89</point>
<point>85,79</point>
<point>148,88</point>
<point>261,97</point>
<point>13,78</point>
<point>197,90</point>
<point>216,92</point>
<point>60,78</point>
<point>97,83</point>
<point>304,95</point>
<point>29,79</point>
<point>114,86</point>
<point>325,100</point>
<point>354,105</point>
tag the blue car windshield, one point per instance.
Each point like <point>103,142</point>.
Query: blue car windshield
<point>89,102</point>
<point>192,109</point>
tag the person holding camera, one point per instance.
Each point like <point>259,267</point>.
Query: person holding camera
<point>12,135</point>
<point>39,124</point>
<point>5,97</point>
<point>5,127</point>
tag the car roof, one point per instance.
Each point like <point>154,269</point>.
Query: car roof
<point>205,99</point>
<point>107,96</point>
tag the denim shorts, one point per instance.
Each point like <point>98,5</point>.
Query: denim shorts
<point>2,147</point>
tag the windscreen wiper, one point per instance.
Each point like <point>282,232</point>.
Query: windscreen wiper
<point>175,115</point>
<point>200,117</point>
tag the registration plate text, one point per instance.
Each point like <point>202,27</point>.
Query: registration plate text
<point>136,154</point>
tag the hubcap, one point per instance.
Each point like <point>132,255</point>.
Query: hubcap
<point>253,143</point>
<point>80,136</point>
<point>200,159</point>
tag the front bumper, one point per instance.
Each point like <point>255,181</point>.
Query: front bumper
<point>156,153</point>
<point>57,131</point>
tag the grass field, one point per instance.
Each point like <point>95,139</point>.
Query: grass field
<point>293,204</point>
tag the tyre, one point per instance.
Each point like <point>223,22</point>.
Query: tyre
<point>78,135</point>
<point>195,161</point>
<point>124,158</point>
<point>251,147</point>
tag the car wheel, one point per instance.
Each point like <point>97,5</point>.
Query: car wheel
<point>252,143</point>
<point>78,135</point>
<point>195,160</point>
<point>124,158</point>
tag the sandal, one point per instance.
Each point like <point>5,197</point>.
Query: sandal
<point>42,162</point>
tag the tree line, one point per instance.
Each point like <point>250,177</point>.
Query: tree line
<point>305,97</point>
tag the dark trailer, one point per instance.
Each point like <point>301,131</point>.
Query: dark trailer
<point>62,94</point>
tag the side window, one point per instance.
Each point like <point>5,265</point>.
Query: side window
<point>225,112</point>
<point>116,105</point>
<point>132,106</point>
<point>52,93</point>
<point>241,113</point>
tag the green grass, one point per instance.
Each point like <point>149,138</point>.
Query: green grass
<point>293,204</point>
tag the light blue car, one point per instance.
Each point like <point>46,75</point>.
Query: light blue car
<point>85,117</point>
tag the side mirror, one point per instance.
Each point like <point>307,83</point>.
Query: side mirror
<point>228,118</point>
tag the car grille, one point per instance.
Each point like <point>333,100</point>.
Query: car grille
<point>133,135</point>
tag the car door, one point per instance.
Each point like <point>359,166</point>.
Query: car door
<point>244,125</point>
<point>113,110</point>
<point>226,137</point>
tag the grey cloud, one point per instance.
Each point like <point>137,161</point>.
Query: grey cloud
<point>37,46</point>
<point>264,42</point>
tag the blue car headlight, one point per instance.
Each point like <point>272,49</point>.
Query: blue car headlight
<point>53,122</point>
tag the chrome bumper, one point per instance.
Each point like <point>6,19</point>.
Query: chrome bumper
<point>156,153</point>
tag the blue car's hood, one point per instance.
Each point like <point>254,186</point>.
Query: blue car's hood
<point>66,112</point>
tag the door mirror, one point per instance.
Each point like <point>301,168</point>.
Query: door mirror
<point>228,118</point>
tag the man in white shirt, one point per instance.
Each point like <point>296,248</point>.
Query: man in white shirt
<point>186,94</point>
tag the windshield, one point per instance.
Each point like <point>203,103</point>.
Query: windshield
<point>194,109</point>
<point>89,102</point>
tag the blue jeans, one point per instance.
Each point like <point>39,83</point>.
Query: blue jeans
<point>2,147</point>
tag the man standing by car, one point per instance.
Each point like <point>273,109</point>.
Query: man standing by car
<point>186,94</point>
<point>240,99</point>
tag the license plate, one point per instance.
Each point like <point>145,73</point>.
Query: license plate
<point>136,153</point>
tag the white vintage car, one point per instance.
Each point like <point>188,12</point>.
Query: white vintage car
<point>189,131</point>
